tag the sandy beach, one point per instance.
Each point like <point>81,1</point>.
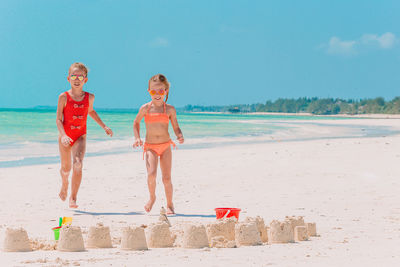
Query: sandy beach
<point>348,186</point>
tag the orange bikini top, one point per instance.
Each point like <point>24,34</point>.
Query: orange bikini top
<point>156,117</point>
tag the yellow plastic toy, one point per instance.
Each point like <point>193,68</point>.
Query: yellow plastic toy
<point>67,220</point>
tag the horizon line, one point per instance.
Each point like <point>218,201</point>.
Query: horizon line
<point>48,107</point>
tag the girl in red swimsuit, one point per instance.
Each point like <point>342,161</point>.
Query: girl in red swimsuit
<point>157,115</point>
<point>72,110</point>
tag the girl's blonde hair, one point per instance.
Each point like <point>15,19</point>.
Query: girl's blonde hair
<point>160,78</point>
<point>79,66</point>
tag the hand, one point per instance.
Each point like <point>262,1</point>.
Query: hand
<point>180,139</point>
<point>137,143</point>
<point>108,131</point>
<point>66,140</point>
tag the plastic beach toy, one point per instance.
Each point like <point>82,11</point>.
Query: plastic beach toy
<point>56,231</point>
<point>227,212</point>
<point>67,220</point>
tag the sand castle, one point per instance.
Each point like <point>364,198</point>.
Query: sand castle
<point>280,232</point>
<point>43,244</point>
<point>300,233</point>
<point>71,239</point>
<point>222,227</point>
<point>222,242</point>
<point>195,236</point>
<point>247,234</point>
<point>133,238</point>
<point>218,242</point>
<point>16,240</point>
<point>163,216</point>
<point>262,228</point>
<point>158,235</point>
<point>99,237</point>
<point>223,233</point>
<point>177,231</point>
<point>295,221</point>
<point>311,229</point>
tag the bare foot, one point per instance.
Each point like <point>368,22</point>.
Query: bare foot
<point>72,203</point>
<point>64,191</point>
<point>149,204</point>
<point>170,210</point>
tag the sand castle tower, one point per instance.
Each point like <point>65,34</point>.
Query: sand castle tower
<point>247,234</point>
<point>311,229</point>
<point>260,226</point>
<point>195,236</point>
<point>223,227</point>
<point>133,238</point>
<point>99,237</point>
<point>163,216</point>
<point>280,232</point>
<point>71,239</point>
<point>158,235</point>
<point>16,240</point>
<point>295,221</point>
<point>300,233</point>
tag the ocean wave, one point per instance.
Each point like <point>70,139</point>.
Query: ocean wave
<point>8,158</point>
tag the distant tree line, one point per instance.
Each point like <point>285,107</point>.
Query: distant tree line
<point>314,105</point>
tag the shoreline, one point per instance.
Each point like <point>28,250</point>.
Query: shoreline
<point>301,130</point>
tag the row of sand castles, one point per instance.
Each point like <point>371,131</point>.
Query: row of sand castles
<point>224,233</point>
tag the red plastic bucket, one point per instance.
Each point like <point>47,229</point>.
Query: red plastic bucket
<point>222,212</point>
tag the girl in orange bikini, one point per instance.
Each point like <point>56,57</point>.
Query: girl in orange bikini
<point>73,107</point>
<point>157,115</point>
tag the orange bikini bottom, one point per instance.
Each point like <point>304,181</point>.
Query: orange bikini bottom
<point>158,148</point>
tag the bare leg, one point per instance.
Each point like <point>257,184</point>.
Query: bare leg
<point>78,153</point>
<point>65,156</point>
<point>165,165</point>
<point>151,165</point>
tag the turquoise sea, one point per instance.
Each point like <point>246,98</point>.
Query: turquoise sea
<point>29,136</point>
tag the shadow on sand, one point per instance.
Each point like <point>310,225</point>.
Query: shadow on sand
<point>81,212</point>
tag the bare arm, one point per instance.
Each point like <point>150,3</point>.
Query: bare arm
<point>96,117</point>
<point>62,100</point>
<point>64,139</point>
<point>136,126</point>
<point>175,125</point>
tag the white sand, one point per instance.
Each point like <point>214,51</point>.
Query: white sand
<point>349,187</point>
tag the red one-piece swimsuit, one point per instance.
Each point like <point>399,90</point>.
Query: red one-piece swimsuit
<point>75,117</point>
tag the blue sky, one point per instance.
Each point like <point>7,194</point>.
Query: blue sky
<point>213,52</point>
